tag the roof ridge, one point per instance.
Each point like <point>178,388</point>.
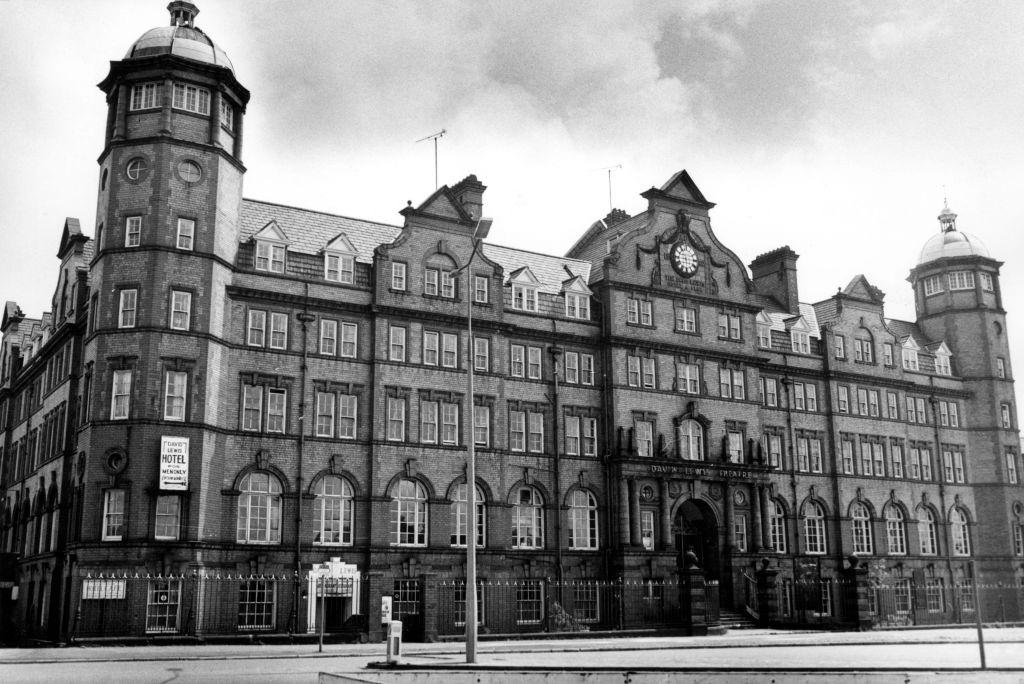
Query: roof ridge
<point>323,213</point>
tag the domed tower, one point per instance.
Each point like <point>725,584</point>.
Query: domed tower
<point>958,301</point>
<point>170,193</point>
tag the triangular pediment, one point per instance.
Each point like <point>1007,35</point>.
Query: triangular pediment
<point>576,285</point>
<point>681,186</point>
<point>911,343</point>
<point>523,276</point>
<point>443,204</point>
<point>341,245</point>
<point>11,312</point>
<point>860,288</point>
<point>799,324</point>
<point>272,233</point>
<point>763,318</point>
<point>942,350</point>
<point>71,234</point>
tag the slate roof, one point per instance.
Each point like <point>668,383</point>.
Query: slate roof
<point>310,231</point>
<point>827,311</point>
<point>779,317</point>
<point>904,329</point>
<point>548,269</point>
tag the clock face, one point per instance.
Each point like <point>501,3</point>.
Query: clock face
<point>684,259</point>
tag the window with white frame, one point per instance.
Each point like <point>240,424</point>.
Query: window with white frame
<point>1005,418</point>
<point>482,425</point>
<point>535,432</point>
<point>533,363</point>
<point>910,360</point>
<point>113,514</point>
<point>252,407</point>
<point>801,342</point>
<point>517,361</point>
<point>729,327</point>
<point>524,297</point>
<point>639,312</point>
<point>896,458</point>
<point>773,447</point>
<point>460,525</point>
<point>644,437</point>
<point>734,445</point>
<point>517,430</point>
<point>960,532</point>
<point>145,96</point>
<point>396,419</point>
<point>481,289</point>
<point>431,347</point>
<point>340,268</point>
<point>449,350</point>
<point>927,532</point>
<point>191,98</point>
<point>888,354</point>
<point>840,344</point>
<point>896,531</point>
<point>764,336</point>
<point>873,407</point>
<point>132,231</point>
<point>893,404</point>
<point>334,511</point>
<point>863,544</point>
<point>256,335</point>
<point>587,369</point>
<point>942,365</point>
<point>686,319</point>
<point>278,330</point>
<point>396,336</point>
<point>843,399</point>
<point>1011,466</point>
<point>325,415</point>
<point>577,306</point>
<point>647,529</point>
<point>328,337</point>
<point>633,371</point>
<point>181,309</point>
<point>863,351</point>
<point>582,520</point>
<point>688,378</point>
<point>186,233</point>
<point>814,528</point>
<point>269,256</point>
<point>481,354</point>
<point>571,368</point>
<point>572,435</point>
<point>259,509</point>
<point>120,395</point>
<point>409,514</point>
<point>1000,368</point>
<point>398,276</point>
<point>739,532</point>
<point>429,416</point>
<point>167,517</point>
<point>932,285</point>
<point>227,114</point>
<point>847,455</point>
<point>163,603</point>
<point>347,408</point>
<point>175,390</point>
<point>528,519</point>
<point>648,376</point>
<point>589,436</point>
<point>276,405</point>
<point>450,423</point>
<point>691,440</point>
<point>127,307</point>
<point>987,282</point>
<point>777,526</point>
<point>1018,538</point>
<point>731,383</point>
<point>961,280</point>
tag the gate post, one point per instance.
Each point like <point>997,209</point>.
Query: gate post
<point>767,593</point>
<point>375,589</point>
<point>855,591</point>
<point>692,599</point>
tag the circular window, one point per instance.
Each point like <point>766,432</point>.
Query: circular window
<point>189,171</point>
<point>1018,508</point>
<point>136,168</point>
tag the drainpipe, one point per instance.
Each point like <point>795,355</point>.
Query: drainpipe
<point>836,447</point>
<point>940,478</point>
<point>787,384</point>
<point>305,318</point>
<point>556,353</point>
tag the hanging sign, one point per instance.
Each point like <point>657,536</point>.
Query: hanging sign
<point>174,463</point>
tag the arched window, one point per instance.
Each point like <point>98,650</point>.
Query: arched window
<point>777,526</point>
<point>961,535</point>
<point>528,519</point>
<point>459,517</point>
<point>896,531</point>
<point>691,440</point>
<point>409,514</point>
<point>582,520</point>
<point>334,511</point>
<point>814,528</point>
<point>862,539</point>
<point>259,509</point>
<point>926,531</point>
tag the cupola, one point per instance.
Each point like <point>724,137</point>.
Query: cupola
<point>950,242</point>
<point>181,38</point>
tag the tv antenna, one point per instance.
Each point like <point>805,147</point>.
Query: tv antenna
<point>609,169</point>
<point>435,138</point>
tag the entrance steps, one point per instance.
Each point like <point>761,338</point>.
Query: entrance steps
<point>732,620</point>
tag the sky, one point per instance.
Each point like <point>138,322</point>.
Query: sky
<point>836,127</point>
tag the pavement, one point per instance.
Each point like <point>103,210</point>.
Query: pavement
<point>742,639</point>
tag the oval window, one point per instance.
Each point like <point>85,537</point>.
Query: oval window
<point>136,167</point>
<point>189,171</point>
<point>103,181</point>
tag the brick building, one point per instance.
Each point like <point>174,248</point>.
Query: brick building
<point>230,386</point>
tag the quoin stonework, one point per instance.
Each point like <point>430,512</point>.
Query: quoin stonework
<point>231,390</point>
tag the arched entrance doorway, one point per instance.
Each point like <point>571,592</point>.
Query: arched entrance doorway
<point>696,529</point>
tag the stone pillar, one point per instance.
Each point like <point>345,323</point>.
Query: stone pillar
<point>429,606</point>
<point>766,520</point>
<point>165,112</point>
<point>855,594</point>
<point>377,588</point>
<point>730,517</point>
<point>215,97</point>
<point>120,111</point>
<point>634,513</point>
<point>623,512</point>
<point>237,130</point>
<point>767,593</point>
<point>758,521</point>
<point>692,599</point>
<point>667,542</point>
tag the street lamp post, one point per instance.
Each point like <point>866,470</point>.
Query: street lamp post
<point>483,226</point>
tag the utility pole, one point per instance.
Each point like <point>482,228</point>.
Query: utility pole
<point>435,138</point>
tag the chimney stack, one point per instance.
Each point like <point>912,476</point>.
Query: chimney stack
<point>774,275</point>
<point>470,193</point>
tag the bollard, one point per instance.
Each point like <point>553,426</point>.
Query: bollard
<point>394,641</point>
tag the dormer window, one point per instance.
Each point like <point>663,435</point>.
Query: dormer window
<point>339,268</point>
<point>524,298</point>
<point>577,306</point>
<point>942,360</point>
<point>910,361</point>
<point>269,257</point>
<point>801,342</point>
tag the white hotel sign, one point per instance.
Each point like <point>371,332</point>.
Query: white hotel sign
<point>174,463</point>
